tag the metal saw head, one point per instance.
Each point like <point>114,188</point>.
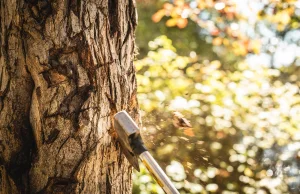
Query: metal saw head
<point>125,127</point>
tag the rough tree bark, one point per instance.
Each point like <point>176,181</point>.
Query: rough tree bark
<point>65,69</point>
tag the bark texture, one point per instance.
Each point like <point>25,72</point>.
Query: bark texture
<point>65,69</point>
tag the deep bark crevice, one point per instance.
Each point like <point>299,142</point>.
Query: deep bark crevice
<point>20,163</point>
<point>58,185</point>
<point>19,127</point>
<point>108,184</point>
<point>113,17</point>
<point>40,10</point>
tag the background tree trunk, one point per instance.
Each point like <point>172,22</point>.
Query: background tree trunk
<point>65,69</point>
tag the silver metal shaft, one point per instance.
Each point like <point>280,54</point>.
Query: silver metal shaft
<point>158,173</point>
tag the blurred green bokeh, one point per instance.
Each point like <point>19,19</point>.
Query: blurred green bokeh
<point>245,114</point>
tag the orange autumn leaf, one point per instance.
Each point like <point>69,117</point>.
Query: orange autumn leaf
<point>215,32</point>
<point>158,15</point>
<point>182,22</point>
<point>217,41</point>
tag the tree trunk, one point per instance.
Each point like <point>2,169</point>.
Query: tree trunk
<point>65,69</point>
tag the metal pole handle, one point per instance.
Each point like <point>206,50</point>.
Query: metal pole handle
<point>158,173</point>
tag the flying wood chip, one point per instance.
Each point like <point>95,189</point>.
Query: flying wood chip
<point>189,132</point>
<point>180,122</point>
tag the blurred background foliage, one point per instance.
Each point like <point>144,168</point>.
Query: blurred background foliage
<point>232,68</point>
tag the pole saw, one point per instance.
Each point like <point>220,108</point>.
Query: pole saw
<point>133,148</point>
